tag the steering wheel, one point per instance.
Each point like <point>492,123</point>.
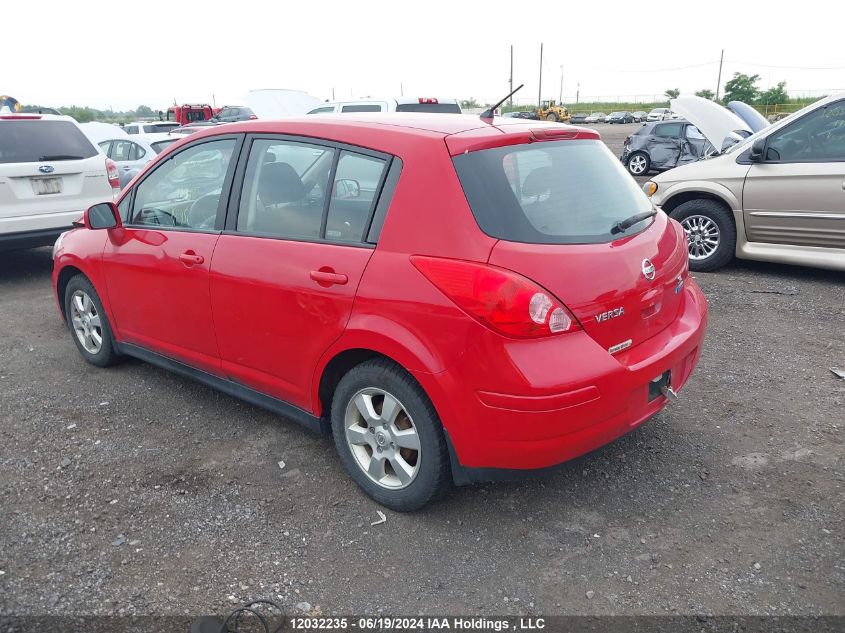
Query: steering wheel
<point>153,216</point>
<point>203,212</point>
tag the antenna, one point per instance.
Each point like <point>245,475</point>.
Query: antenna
<point>489,112</point>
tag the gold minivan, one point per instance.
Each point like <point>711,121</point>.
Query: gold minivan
<point>777,195</point>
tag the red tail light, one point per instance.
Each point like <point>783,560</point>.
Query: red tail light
<point>427,100</point>
<point>252,116</point>
<point>500,299</point>
<point>114,175</point>
<point>626,141</point>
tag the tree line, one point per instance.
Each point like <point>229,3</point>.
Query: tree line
<point>742,87</point>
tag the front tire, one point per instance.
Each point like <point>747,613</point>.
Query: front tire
<point>710,231</point>
<point>638,164</point>
<point>88,324</point>
<point>389,436</point>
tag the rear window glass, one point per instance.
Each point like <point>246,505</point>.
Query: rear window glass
<point>38,141</point>
<point>361,108</point>
<point>158,127</point>
<point>559,192</point>
<point>440,108</point>
<point>159,146</point>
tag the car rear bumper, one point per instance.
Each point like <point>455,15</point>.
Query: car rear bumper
<point>541,403</point>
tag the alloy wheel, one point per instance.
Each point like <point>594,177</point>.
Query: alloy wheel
<point>382,438</point>
<point>86,322</point>
<point>637,164</point>
<point>702,236</point>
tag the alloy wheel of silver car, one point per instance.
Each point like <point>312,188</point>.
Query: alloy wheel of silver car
<point>702,236</point>
<point>86,322</point>
<point>382,438</point>
<point>637,164</point>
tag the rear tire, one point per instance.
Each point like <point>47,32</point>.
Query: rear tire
<point>400,460</point>
<point>711,233</point>
<point>551,116</point>
<point>88,324</point>
<point>638,164</point>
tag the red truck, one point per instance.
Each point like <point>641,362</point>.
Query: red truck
<point>189,113</point>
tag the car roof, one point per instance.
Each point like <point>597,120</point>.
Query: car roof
<point>25,116</point>
<point>390,131</point>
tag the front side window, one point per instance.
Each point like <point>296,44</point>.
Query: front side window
<point>694,134</point>
<point>185,190</point>
<point>556,192</point>
<point>816,137</point>
<point>284,192</point>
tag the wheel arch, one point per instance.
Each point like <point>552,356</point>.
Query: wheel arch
<point>62,280</point>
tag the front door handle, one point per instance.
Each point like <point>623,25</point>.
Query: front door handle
<point>328,277</point>
<point>190,258</point>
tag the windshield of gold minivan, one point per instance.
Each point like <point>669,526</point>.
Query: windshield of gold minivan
<point>560,192</point>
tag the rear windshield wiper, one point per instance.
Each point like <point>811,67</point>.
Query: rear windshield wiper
<point>624,225</point>
<point>60,157</point>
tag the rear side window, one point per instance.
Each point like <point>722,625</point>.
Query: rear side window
<point>35,141</point>
<point>559,192</point>
<point>356,183</point>
<point>322,110</point>
<point>441,108</point>
<point>669,130</point>
<point>284,189</point>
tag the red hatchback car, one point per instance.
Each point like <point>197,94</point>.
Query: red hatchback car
<point>451,298</point>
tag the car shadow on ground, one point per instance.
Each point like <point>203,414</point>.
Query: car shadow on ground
<point>26,264</point>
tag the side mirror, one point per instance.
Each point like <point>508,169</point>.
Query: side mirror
<point>346,189</point>
<point>757,148</point>
<point>102,216</point>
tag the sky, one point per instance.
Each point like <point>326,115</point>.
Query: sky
<point>113,55</point>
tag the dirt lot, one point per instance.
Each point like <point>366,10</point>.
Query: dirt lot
<point>131,490</point>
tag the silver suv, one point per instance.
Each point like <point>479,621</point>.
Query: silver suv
<point>778,195</point>
<point>49,174</point>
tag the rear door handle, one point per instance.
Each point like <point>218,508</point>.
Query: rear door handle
<point>190,258</point>
<point>329,277</point>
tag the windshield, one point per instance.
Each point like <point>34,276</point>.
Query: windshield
<point>39,141</point>
<point>559,192</point>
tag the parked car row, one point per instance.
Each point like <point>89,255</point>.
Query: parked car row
<point>743,188</point>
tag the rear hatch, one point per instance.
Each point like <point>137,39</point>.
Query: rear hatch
<point>555,207</point>
<point>48,167</point>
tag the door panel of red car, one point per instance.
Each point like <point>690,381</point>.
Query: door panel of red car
<point>156,267</point>
<point>281,292</point>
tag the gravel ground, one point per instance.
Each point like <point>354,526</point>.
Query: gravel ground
<point>133,491</point>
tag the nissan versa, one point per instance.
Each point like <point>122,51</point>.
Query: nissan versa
<point>452,298</point>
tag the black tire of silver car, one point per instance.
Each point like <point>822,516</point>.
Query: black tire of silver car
<point>389,436</point>
<point>88,324</point>
<point>706,220</point>
<point>638,164</point>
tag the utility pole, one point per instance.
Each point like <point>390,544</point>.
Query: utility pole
<point>332,94</point>
<point>401,89</point>
<point>578,92</point>
<point>719,80</point>
<point>510,102</point>
<point>540,90</point>
<point>560,96</point>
